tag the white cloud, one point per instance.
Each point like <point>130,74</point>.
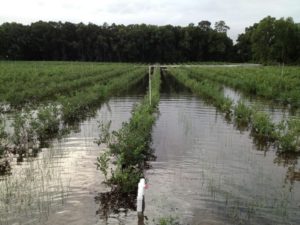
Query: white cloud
<point>238,14</point>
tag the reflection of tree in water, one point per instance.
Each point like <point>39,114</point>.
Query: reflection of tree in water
<point>113,203</point>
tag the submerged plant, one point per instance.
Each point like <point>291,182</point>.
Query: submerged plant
<point>289,135</point>
<point>167,221</point>
<point>23,137</point>
<point>102,163</point>
<point>130,145</point>
<point>242,113</point>
<point>47,121</point>
<point>263,127</point>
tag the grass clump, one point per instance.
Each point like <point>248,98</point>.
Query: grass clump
<point>242,113</point>
<point>167,221</point>
<point>263,127</point>
<point>289,136</point>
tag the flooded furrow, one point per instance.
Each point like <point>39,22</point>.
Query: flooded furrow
<point>208,172</point>
<point>60,185</point>
<point>276,111</point>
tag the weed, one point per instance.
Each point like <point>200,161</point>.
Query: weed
<point>242,113</point>
<point>263,127</point>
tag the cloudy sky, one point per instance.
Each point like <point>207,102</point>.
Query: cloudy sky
<point>238,14</point>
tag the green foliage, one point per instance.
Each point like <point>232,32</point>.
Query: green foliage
<point>271,40</point>
<point>126,180</point>
<point>102,163</point>
<point>47,121</point>
<point>205,82</point>
<point>24,134</point>
<point>130,145</point>
<point>289,135</point>
<point>262,126</point>
<point>242,113</point>
<point>114,43</point>
<point>167,221</point>
<point>266,82</point>
<point>34,82</point>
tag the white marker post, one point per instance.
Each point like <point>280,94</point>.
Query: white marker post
<point>140,197</point>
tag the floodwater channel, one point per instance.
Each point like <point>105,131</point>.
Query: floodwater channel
<point>208,172</point>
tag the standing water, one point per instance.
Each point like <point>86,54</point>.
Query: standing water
<point>208,172</point>
<point>60,185</point>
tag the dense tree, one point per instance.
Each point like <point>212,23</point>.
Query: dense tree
<point>139,43</point>
<point>270,40</point>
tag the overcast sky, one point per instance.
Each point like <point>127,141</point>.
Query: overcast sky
<point>238,14</point>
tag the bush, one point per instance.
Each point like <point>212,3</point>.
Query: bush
<point>263,127</point>
<point>289,135</point>
<point>242,113</point>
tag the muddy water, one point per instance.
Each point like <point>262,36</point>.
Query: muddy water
<point>60,185</point>
<point>207,172</point>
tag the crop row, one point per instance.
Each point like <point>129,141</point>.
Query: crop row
<point>18,86</point>
<point>208,90</point>
<point>285,135</point>
<point>130,146</point>
<point>83,100</point>
<point>267,82</point>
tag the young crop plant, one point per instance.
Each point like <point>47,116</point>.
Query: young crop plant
<point>47,122</point>
<point>80,104</point>
<point>23,137</point>
<point>263,127</point>
<point>242,113</point>
<point>265,81</point>
<point>289,135</point>
<point>130,145</point>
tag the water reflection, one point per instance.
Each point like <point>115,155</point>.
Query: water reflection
<point>208,172</point>
<point>60,185</point>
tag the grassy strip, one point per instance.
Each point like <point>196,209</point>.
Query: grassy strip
<point>266,82</point>
<point>285,135</point>
<point>130,145</point>
<point>33,128</point>
<point>32,88</point>
<point>205,88</point>
<point>81,103</point>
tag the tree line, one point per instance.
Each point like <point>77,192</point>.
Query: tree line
<point>270,40</point>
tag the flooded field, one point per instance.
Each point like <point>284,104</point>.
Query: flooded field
<point>207,172</point>
<point>206,169</point>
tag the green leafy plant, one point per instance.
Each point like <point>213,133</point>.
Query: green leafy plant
<point>167,221</point>
<point>130,145</point>
<point>289,135</point>
<point>242,113</point>
<point>263,127</point>
<point>103,163</point>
